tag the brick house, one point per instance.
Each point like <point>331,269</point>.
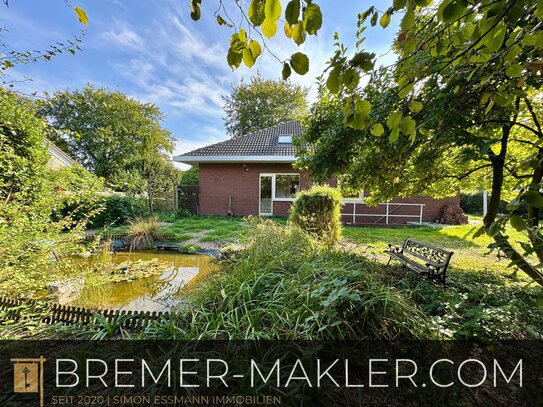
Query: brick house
<point>253,174</point>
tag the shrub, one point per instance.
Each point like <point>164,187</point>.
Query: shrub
<point>318,212</point>
<point>142,232</point>
<point>283,286</point>
<point>119,209</point>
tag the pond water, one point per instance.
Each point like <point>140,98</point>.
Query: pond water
<point>155,293</point>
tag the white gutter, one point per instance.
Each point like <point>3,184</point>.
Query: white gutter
<point>187,159</point>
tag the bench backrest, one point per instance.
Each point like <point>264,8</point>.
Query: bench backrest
<point>431,254</point>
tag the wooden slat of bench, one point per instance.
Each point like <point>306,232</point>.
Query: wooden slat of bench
<point>408,262</point>
<point>447,254</point>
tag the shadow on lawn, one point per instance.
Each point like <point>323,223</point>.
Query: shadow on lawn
<point>380,237</point>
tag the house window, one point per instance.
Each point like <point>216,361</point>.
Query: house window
<point>286,185</point>
<point>351,196</point>
<point>285,139</point>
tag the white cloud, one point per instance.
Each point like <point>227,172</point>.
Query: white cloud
<point>123,35</point>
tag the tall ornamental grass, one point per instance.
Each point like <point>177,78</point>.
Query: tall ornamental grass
<point>283,287</point>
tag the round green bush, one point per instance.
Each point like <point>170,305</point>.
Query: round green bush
<point>318,212</point>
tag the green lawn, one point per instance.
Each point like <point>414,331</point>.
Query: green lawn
<point>207,229</point>
<point>469,253</point>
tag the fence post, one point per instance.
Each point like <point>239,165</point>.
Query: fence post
<point>421,209</point>
<point>386,216</point>
<point>354,213</point>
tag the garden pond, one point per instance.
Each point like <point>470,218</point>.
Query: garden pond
<point>140,281</point>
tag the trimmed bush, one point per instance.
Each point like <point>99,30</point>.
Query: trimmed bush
<point>317,211</point>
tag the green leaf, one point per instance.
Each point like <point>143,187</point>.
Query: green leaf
<point>518,223</point>
<point>409,126</point>
<point>333,82</point>
<point>257,12</point>
<point>300,63</point>
<point>233,58</point>
<point>221,21</point>
<point>195,12</point>
<point>415,106</point>
<point>269,27</point>
<point>298,34</point>
<point>350,79</point>
<point>423,3</point>
<point>377,130</point>
<point>394,135</point>
<point>292,12</point>
<point>394,120</point>
<point>534,198</point>
<point>514,70</point>
<point>242,35</point>
<point>286,71</point>
<point>363,60</point>
<point>494,39</point>
<point>81,15</point>
<point>255,48</point>
<point>404,90</point>
<point>385,20</point>
<point>312,18</point>
<point>408,20</point>
<point>248,58</point>
<point>539,10</point>
<point>399,4</point>
<point>453,11</point>
<point>374,18</point>
<point>362,107</point>
<point>251,53</point>
<point>273,10</point>
<point>287,28</point>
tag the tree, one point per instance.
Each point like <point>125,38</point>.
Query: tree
<point>472,118</point>
<point>106,130</point>
<point>262,103</point>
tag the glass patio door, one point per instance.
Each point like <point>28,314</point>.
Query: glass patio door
<point>266,194</point>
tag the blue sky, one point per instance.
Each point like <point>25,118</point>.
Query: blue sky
<point>154,52</point>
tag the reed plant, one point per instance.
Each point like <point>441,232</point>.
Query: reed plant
<point>142,232</point>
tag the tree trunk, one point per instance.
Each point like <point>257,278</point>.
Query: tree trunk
<point>498,165</point>
<point>150,195</point>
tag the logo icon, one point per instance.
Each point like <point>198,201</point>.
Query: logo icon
<point>28,376</point>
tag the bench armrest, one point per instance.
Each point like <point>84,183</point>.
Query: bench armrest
<point>394,249</point>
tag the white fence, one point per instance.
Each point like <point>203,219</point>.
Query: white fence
<point>390,208</point>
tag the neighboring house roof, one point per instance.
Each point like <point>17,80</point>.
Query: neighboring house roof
<point>259,146</point>
<point>61,159</point>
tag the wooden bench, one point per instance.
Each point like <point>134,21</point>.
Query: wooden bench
<point>421,258</point>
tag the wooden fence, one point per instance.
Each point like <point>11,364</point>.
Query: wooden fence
<point>126,236</point>
<point>54,313</point>
<point>188,198</point>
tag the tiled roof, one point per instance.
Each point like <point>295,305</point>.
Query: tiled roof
<point>259,143</point>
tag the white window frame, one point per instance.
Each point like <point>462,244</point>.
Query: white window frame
<point>274,179</point>
<point>360,198</point>
<point>260,194</point>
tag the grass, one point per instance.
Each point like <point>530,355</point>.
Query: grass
<point>470,254</point>
<point>207,229</point>
<point>285,286</point>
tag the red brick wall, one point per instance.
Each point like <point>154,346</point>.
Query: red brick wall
<point>241,182</point>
